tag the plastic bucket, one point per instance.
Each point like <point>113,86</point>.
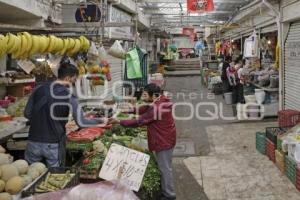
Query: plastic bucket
<point>260,95</point>
<point>250,99</point>
<point>228,98</point>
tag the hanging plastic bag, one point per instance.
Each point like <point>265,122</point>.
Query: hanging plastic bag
<point>133,65</point>
<point>117,50</point>
<point>102,53</point>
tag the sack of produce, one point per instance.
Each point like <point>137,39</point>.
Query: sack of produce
<point>117,50</point>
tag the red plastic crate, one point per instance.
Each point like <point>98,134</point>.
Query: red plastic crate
<point>270,150</point>
<point>287,118</point>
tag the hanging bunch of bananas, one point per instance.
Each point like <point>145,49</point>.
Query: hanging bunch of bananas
<point>24,45</point>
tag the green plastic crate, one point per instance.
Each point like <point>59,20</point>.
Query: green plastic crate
<point>261,142</point>
<point>291,168</point>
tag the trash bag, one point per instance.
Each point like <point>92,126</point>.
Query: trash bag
<point>117,50</point>
<point>133,64</point>
<point>98,191</point>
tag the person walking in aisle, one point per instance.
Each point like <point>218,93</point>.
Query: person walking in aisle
<point>47,110</point>
<point>161,132</point>
<point>226,85</point>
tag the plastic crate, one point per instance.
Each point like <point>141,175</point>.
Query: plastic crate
<point>298,178</point>
<point>291,168</point>
<point>280,160</point>
<point>270,150</point>
<point>261,142</point>
<point>58,170</point>
<point>273,132</point>
<point>288,118</point>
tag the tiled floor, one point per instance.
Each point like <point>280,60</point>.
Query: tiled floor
<point>234,170</point>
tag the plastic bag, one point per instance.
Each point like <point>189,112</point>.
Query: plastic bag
<point>98,191</point>
<point>117,50</point>
<point>102,53</point>
<point>133,64</point>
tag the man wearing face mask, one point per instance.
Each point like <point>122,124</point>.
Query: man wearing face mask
<point>47,110</point>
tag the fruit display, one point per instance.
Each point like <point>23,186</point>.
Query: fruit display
<point>17,109</point>
<point>24,45</point>
<point>15,176</point>
<point>54,182</point>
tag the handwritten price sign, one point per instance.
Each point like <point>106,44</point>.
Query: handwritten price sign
<point>125,164</point>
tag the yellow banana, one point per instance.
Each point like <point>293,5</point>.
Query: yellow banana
<point>29,41</point>
<point>35,48</point>
<point>65,47</point>
<point>24,44</point>
<point>59,45</point>
<point>3,45</point>
<point>18,47</point>
<point>13,42</point>
<point>44,42</point>
<point>85,43</point>
<point>75,49</point>
<point>71,44</point>
<point>52,44</point>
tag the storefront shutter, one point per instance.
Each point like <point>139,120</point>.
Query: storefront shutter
<point>292,68</point>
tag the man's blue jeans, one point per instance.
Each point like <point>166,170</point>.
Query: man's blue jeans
<point>37,151</point>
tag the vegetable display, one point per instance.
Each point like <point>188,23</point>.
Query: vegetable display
<point>54,182</point>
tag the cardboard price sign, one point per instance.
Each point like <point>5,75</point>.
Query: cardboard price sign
<point>125,164</point>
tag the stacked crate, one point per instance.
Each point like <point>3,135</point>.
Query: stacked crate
<point>288,118</point>
<point>270,150</point>
<point>298,178</point>
<point>291,168</point>
<point>280,160</point>
<point>261,142</point>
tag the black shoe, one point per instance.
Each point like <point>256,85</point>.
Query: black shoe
<point>167,198</point>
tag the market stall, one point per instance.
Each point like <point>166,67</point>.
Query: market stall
<point>33,59</point>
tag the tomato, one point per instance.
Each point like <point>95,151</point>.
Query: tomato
<point>85,161</point>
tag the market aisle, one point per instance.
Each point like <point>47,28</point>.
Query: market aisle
<point>192,138</point>
<point>235,170</point>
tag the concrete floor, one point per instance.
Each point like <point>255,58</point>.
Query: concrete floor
<point>216,159</point>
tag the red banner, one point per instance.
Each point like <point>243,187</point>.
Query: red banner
<point>188,31</point>
<point>200,5</point>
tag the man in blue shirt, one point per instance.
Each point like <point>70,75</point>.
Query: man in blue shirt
<point>48,109</point>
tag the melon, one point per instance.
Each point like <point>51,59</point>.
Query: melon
<point>2,150</point>
<point>27,179</point>
<point>5,159</point>
<point>33,173</point>
<point>14,185</point>
<point>21,165</point>
<point>8,171</point>
<point>5,196</point>
<point>2,185</point>
<point>40,167</point>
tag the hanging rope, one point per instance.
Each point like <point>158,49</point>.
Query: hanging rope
<point>136,23</point>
